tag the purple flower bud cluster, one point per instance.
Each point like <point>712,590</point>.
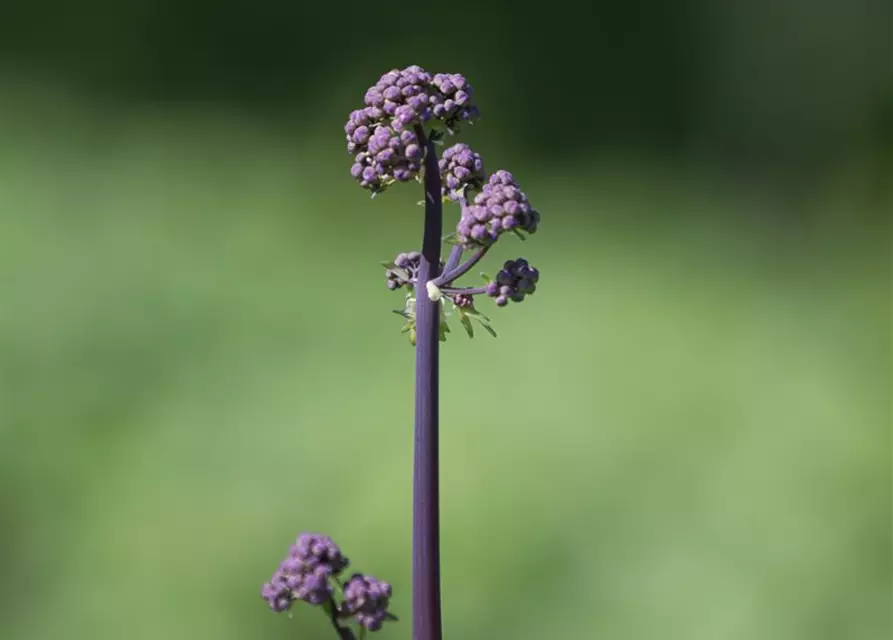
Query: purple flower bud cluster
<point>408,262</point>
<point>381,135</point>
<point>366,599</point>
<point>500,206</point>
<point>304,574</point>
<point>453,100</point>
<point>462,300</point>
<point>514,281</point>
<point>403,96</point>
<point>460,167</point>
<point>310,572</point>
<point>382,155</point>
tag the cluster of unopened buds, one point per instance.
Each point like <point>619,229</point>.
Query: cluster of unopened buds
<point>385,137</point>
<point>312,572</point>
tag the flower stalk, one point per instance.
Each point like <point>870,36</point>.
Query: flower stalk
<point>426,614</point>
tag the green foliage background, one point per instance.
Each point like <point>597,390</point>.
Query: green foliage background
<point>683,434</point>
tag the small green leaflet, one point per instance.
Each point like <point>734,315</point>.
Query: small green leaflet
<point>393,269</point>
<point>466,323</point>
<point>481,318</point>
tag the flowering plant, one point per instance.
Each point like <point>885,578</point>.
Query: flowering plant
<point>394,138</point>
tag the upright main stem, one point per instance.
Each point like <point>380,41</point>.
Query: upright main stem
<point>426,623</point>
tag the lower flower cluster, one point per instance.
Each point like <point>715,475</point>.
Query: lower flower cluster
<point>514,281</point>
<point>312,573</point>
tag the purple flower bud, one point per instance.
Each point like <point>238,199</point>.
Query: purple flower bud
<point>413,152</point>
<point>480,214</point>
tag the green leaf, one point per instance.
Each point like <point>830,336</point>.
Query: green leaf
<point>480,317</point>
<point>444,325</point>
<point>477,315</point>
<point>466,322</point>
<point>393,269</point>
<point>489,329</point>
<point>486,277</point>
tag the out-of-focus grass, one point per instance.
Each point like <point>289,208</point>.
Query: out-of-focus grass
<point>684,434</point>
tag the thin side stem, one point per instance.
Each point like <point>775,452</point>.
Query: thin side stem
<point>344,633</point>
<point>468,292</point>
<point>457,250</point>
<point>449,275</point>
<point>426,622</point>
<point>453,260</point>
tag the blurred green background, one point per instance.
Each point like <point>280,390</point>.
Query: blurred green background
<point>684,434</point>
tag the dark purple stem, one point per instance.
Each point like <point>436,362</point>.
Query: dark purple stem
<point>449,275</point>
<point>425,501</point>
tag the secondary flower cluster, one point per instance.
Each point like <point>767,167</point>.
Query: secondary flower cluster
<point>461,168</point>
<point>380,136</point>
<point>500,206</point>
<point>310,573</point>
<point>404,270</point>
<point>367,600</point>
<point>515,280</point>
